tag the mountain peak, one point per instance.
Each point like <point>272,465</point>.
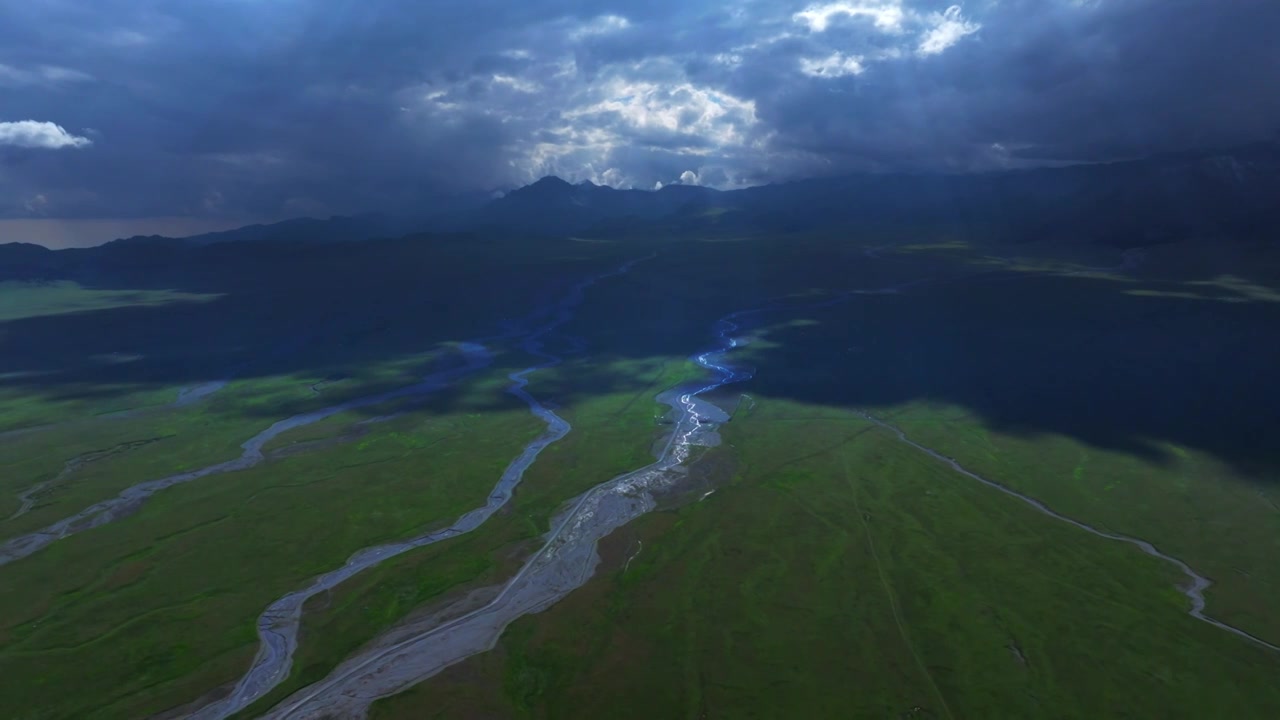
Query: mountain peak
<point>550,181</point>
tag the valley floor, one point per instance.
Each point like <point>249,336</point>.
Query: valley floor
<point>798,559</point>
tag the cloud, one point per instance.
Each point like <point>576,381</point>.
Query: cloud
<point>669,111</point>
<point>44,135</point>
<point>46,75</point>
<point>887,16</point>
<point>833,65</point>
<point>601,25</point>
<point>36,205</point>
<point>948,28</point>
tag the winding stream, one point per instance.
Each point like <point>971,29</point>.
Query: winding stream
<point>475,356</point>
<point>187,396</point>
<point>279,624</point>
<point>1131,260</point>
<point>31,495</point>
<point>567,559</point>
<point>1194,592</point>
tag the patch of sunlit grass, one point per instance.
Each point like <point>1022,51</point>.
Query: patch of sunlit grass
<point>24,300</point>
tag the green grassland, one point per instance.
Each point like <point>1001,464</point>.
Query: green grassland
<point>1190,504</point>
<point>613,432</point>
<point>1136,417</point>
<point>744,618</point>
<point>844,574</point>
<point>834,572</point>
<point>154,610</point>
<point>23,299</point>
<point>126,450</point>
<point>20,411</point>
<point>610,402</point>
<point>151,611</point>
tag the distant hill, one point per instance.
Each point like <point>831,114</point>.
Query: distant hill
<point>25,261</point>
<point>334,229</point>
<point>436,212</point>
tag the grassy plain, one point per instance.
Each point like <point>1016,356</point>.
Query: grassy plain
<point>844,574</point>
<point>154,610</point>
<point>613,432</point>
<point>1064,380</point>
<point>151,611</point>
<point>110,454</point>
<point>25,299</point>
<point>840,574</point>
<point>1189,503</point>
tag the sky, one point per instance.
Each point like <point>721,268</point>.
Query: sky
<point>187,115</point>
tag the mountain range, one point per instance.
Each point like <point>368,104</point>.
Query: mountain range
<point>1129,203</point>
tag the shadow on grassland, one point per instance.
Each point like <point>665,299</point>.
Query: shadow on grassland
<point>1078,356</point>
<point>315,311</point>
<point>1117,363</point>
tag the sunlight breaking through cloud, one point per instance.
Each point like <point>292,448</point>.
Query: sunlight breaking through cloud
<point>676,108</point>
<point>887,16</point>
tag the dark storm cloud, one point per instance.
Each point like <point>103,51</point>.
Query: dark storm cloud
<point>281,107</point>
<point>1086,81</point>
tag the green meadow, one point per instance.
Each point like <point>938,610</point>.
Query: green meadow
<point>844,574</point>
<point>832,571</point>
<point>150,611</point>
